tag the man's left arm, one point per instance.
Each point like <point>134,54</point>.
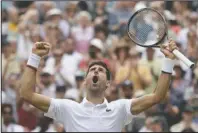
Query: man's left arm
<point>140,104</point>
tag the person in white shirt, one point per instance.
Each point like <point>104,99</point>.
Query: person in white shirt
<point>187,121</point>
<point>94,113</point>
<point>8,124</point>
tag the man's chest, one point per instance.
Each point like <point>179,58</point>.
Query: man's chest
<point>96,119</point>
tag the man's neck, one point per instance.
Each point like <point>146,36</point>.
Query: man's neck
<point>95,99</point>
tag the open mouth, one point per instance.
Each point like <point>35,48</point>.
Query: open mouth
<point>95,79</point>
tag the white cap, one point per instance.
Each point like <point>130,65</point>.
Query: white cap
<point>48,70</point>
<point>97,43</point>
<point>54,11</point>
<point>140,5</point>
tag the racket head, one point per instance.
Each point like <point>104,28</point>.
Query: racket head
<point>140,16</point>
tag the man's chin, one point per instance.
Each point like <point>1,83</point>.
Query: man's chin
<point>94,87</point>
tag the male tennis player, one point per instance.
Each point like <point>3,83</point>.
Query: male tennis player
<point>94,113</point>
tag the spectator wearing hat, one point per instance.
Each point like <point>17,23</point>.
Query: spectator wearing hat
<point>83,32</point>
<point>121,61</point>
<point>127,89</point>
<point>186,123</point>
<point>95,53</point>
<point>178,86</point>
<point>47,87</point>
<point>140,75</point>
<point>55,16</point>
<point>9,60</point>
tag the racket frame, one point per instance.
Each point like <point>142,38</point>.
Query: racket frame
<point>165,24</point>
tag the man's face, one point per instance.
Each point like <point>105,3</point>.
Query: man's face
<point>7,114</point>
<point>127,90</point>
<point>46,80</point>
<point>188,116</point>
<point>96,79</point>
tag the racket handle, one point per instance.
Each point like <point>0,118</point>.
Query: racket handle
<point>183,58</point>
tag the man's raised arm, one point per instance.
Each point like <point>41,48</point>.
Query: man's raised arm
<point>28,80</point>
<point>141,104</point>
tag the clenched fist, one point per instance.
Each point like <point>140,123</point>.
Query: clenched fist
<point>41,48</point>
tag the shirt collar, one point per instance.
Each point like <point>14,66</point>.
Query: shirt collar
<point>88,103</point>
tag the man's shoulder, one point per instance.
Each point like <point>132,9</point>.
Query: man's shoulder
<point>66,102</point>
<point>120,102</point>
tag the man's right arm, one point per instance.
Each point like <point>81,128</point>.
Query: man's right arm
<point>27,85</point>
<point>28,80</point>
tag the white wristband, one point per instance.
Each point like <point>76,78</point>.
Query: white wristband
<point>34,60</point>
<point>168,65</point>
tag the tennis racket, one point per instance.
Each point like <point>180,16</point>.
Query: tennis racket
<point>148,28</point>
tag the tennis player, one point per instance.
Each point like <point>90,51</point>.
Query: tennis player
<point>94,113</point>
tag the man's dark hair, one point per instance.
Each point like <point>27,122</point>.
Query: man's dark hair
<point>100,63</point>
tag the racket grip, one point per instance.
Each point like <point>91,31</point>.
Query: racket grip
<point>183,58</point>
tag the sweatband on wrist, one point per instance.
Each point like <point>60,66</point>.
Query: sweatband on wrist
<point>34,60</point>
<point>168,65</point>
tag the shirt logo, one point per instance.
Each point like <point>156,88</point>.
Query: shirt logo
<point>108,110</point>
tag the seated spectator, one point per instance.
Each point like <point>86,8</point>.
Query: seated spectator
<point>9,60</point>
<point>55,16</point>
<point>8,122</point>
<point>95,53</point>
<point>83,32</point>
<point>186,123</point>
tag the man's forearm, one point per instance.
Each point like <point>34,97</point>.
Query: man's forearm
<point>162,86</point>
<point>28,82</point>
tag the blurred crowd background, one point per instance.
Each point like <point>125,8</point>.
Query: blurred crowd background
<point>81,32</point>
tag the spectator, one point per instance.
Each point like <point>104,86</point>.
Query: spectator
<point>154,63</point>
<point>55,16</point>
<point>72,56</point>
<point>95,53</point>
<point>60,92</point>
<point>112,93</point>
<point>186,123</point>
<point>55,65</point>
<point>127,89</point>
<point>12,93</point>
<point>70,12</point>
<point>122,52</point>
<point>83,32</point>
<point>100,14</point>
<point>10,28</point>
<point>8,124</point>
<point>178,86</point>
<point>9,61</point>
<point>47,87</point>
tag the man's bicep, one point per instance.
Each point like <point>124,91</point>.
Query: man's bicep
<point>142,103</point>
<point>40,101</point>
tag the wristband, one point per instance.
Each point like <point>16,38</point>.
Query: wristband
<point>168,65</point>
<point>34,61</point>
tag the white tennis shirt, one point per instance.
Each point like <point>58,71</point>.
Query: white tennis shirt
<point>87,117</point>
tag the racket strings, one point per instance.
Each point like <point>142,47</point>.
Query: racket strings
<point>145,26</point>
